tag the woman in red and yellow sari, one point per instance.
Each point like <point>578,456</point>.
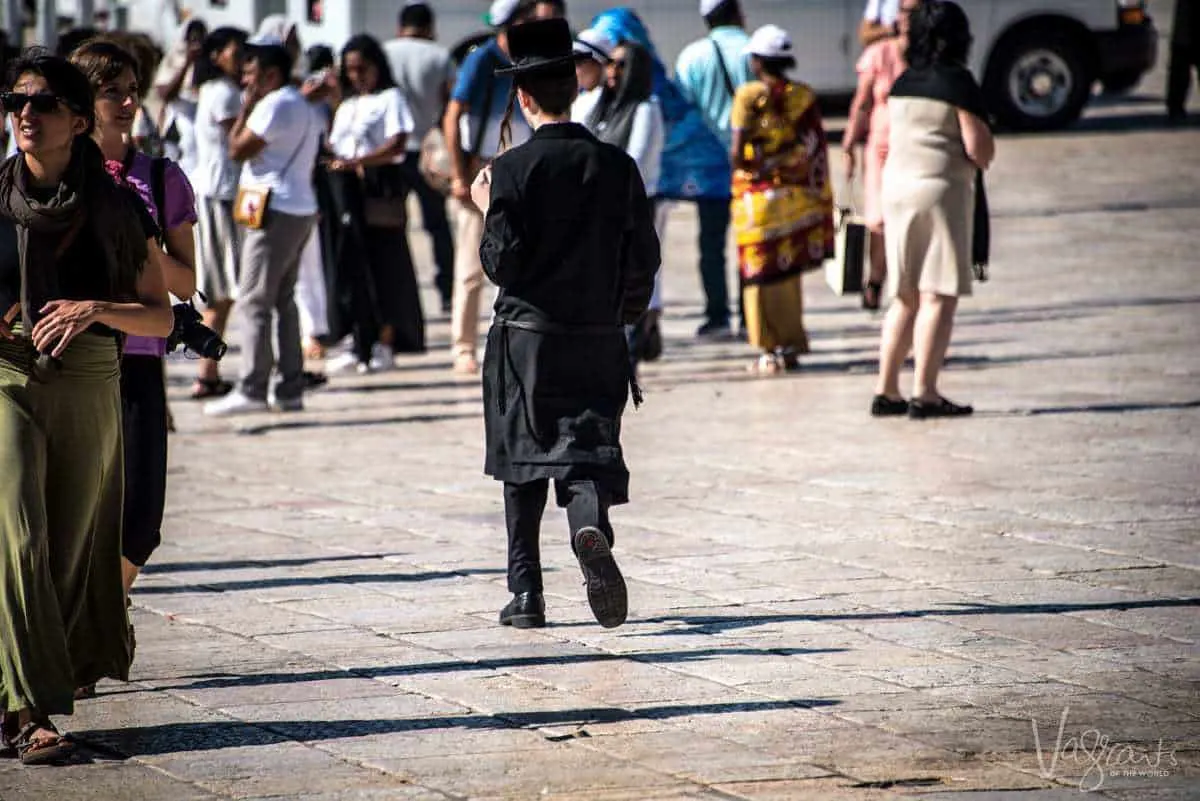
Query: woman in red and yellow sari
<point>782,199</point>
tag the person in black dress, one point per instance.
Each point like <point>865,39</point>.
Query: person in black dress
<point>569,239</point>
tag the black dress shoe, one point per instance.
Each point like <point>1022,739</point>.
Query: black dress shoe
<point>883,406</point>
<point>925,410</point>
<point>526,610</point>
<point>605,585</point>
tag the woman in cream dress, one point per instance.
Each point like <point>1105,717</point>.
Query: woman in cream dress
<point>938,142</point>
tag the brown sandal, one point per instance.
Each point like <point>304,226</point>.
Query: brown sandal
<point>42,750</point>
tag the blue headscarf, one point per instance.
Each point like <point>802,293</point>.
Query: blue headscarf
<point>694,162</point>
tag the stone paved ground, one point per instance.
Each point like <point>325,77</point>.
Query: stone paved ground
<point>823,606</point>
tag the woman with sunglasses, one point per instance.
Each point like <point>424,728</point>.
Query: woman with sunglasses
<point>76,270</point>
<point>167,195</point>
<point>627,115</point>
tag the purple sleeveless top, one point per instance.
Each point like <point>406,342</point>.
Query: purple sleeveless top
<point>180,203</point>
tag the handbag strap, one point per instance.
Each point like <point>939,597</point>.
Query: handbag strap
<point>303,140</point>
<point>729,87</point>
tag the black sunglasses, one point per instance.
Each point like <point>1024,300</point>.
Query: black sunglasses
<point>42,102</point>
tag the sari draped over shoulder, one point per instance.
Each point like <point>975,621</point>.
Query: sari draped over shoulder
<point>783,201</point>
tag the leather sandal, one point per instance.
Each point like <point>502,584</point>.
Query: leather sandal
<point>42,750</point>
<point>205,388</point>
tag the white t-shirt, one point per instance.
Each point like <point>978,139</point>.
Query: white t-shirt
<point>292,131</point>
<point>216,174</point>
<point>364,123</point>
<point>885,11</point>
<point>583,105</point>
<point>646,139</point>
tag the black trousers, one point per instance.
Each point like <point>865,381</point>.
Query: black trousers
<point>375,283</point>
<point>1184,60</point>
<point>585,503</point>
<point>715,215</point>
<point>144,418</point>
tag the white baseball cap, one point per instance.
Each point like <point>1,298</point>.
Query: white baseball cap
<point>769,41</point>
<point>709,6</point>
<point>595,44</point>
<point>502,11</point>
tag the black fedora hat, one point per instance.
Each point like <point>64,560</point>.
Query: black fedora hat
<point>540,45</point>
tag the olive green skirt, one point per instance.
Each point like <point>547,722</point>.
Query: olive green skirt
<point>63,622</point>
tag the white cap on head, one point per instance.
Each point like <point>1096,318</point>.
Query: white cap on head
<point>594,44</point>
<point>709,6</point>
<point>265,40</point>
<point>502,11</point>
<point>769,41</point>
<point>273,30</point>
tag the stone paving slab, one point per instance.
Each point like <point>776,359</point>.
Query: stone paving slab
<point>823,606</point>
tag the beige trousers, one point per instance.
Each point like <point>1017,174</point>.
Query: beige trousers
<point>468,279</point>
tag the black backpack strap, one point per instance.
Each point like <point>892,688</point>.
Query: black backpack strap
<point>729,87</point>
<point>158,190</point>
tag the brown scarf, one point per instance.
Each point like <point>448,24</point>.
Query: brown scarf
<point>46,229</point>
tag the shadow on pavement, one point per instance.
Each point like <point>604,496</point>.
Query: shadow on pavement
<point>316,581</point>
<point>170,738</point>
<point>716,623</point>
<point>1125,123</point>
<point>1096,408</point>
<point>250,564</point>
<point>225,680</point>
<point>292,423</point>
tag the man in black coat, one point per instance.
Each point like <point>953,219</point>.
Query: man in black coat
<point>569,239</point>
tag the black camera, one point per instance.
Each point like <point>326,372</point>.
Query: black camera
<point>191,332</point>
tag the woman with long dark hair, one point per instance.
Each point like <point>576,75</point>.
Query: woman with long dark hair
<point>938,147</point>
<point>375,269</point>
<point>76,271</point>
<point>627,114</point>
<point>167,195</point>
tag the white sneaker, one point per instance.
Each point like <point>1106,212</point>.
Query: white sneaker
<point>234,403</point>
<point>345,363</point>
<point>383,358</point>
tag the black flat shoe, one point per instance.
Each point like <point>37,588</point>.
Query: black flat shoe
<point>920,410</point>
<point>883,406</point>
<point>605,585</point>
<point>526,610</point>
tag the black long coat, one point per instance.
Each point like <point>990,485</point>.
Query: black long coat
<point>569,239</point>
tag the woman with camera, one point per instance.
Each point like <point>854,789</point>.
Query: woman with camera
<point>76,270</point>
<point>167,195</point>
<point>374,266</point>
